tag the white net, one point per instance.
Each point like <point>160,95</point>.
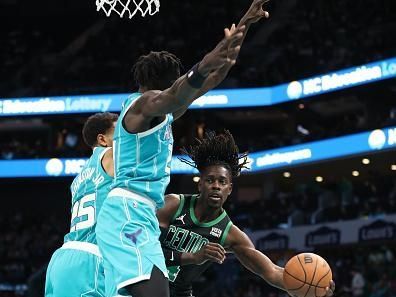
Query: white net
<point>128,8</point>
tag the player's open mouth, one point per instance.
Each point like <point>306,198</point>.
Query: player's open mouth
<point>215,197</point>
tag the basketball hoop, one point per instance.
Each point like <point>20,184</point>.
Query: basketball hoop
<point>128,7</point>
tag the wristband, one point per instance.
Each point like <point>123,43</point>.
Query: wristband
<point>194,78</point>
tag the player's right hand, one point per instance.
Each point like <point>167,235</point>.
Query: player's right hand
<point>256,11</point>
<point>213,252</point>
<point>220,54</point>
<point>330,289</point>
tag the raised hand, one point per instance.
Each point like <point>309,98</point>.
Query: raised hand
<point>330,289</point>
<point>255,12</point>
<point>219,55</point>
<point>253,15</point>
<point>234,48</point>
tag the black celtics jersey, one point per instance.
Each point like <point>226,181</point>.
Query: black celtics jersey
<point>187,234</point>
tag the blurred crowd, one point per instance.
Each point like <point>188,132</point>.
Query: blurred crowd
<point>95,54</point>
<point>30,235</point>
<point>26,246</point>
<point>320,36</point>
<point>44,138</point>
<point>359,271</point>
<point>48,137</point>
<point>313,203</point>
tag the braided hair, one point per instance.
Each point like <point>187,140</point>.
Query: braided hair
<point>216,149</point>
<point>156,70</point>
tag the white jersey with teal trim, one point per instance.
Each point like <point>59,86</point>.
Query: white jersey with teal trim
<point>89,190</point>
<point>142,160</point>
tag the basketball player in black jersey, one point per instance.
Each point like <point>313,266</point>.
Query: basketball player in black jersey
<point>196,230</point>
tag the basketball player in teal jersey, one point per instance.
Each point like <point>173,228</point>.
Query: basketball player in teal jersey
<point>127,228</point>
<point>76,269</point>
<point>196,230</point>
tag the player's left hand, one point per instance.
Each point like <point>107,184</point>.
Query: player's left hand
<point>256,11</point>
<point>233,50</point>
<point>330,289</point>
<point>218,57</point>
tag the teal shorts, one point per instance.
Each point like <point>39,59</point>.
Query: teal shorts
<point>128,233</point>
<point>75,270</point>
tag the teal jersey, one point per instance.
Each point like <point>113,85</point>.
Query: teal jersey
<point>142,160</point>
<point>89,190</point>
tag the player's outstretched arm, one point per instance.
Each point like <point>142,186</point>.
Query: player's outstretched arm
<point>258,263</point>
<point>253,15</point>
<point>183,91</point>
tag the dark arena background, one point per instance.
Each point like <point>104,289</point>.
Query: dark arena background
<point>312,98</point>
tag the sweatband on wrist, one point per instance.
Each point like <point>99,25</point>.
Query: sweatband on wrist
<point>194,78</point>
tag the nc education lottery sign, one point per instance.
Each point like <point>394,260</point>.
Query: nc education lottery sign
<point>228,98</point>
<point>355,144</point>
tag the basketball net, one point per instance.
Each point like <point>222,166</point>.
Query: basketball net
<point>128,7</point>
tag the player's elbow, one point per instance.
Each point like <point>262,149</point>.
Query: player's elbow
<point>174,98</point>
<point>161,104</point>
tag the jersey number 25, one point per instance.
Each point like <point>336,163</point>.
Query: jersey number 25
<point>84,213</point>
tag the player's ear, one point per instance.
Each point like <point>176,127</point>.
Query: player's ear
<point>101,140</point>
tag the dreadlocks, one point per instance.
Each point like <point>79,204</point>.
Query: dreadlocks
<point>157,70</point>
<point>216,149</point>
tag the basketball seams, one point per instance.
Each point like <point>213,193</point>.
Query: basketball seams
<point>303,283</point>
<point>316,287</point>
<point>313,276</point>
<point>296,278</point>
<point>316,266</point>
<point>322,278</point>
<point>302,266</point>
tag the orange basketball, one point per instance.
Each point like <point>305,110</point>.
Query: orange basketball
<point>307,275</point>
